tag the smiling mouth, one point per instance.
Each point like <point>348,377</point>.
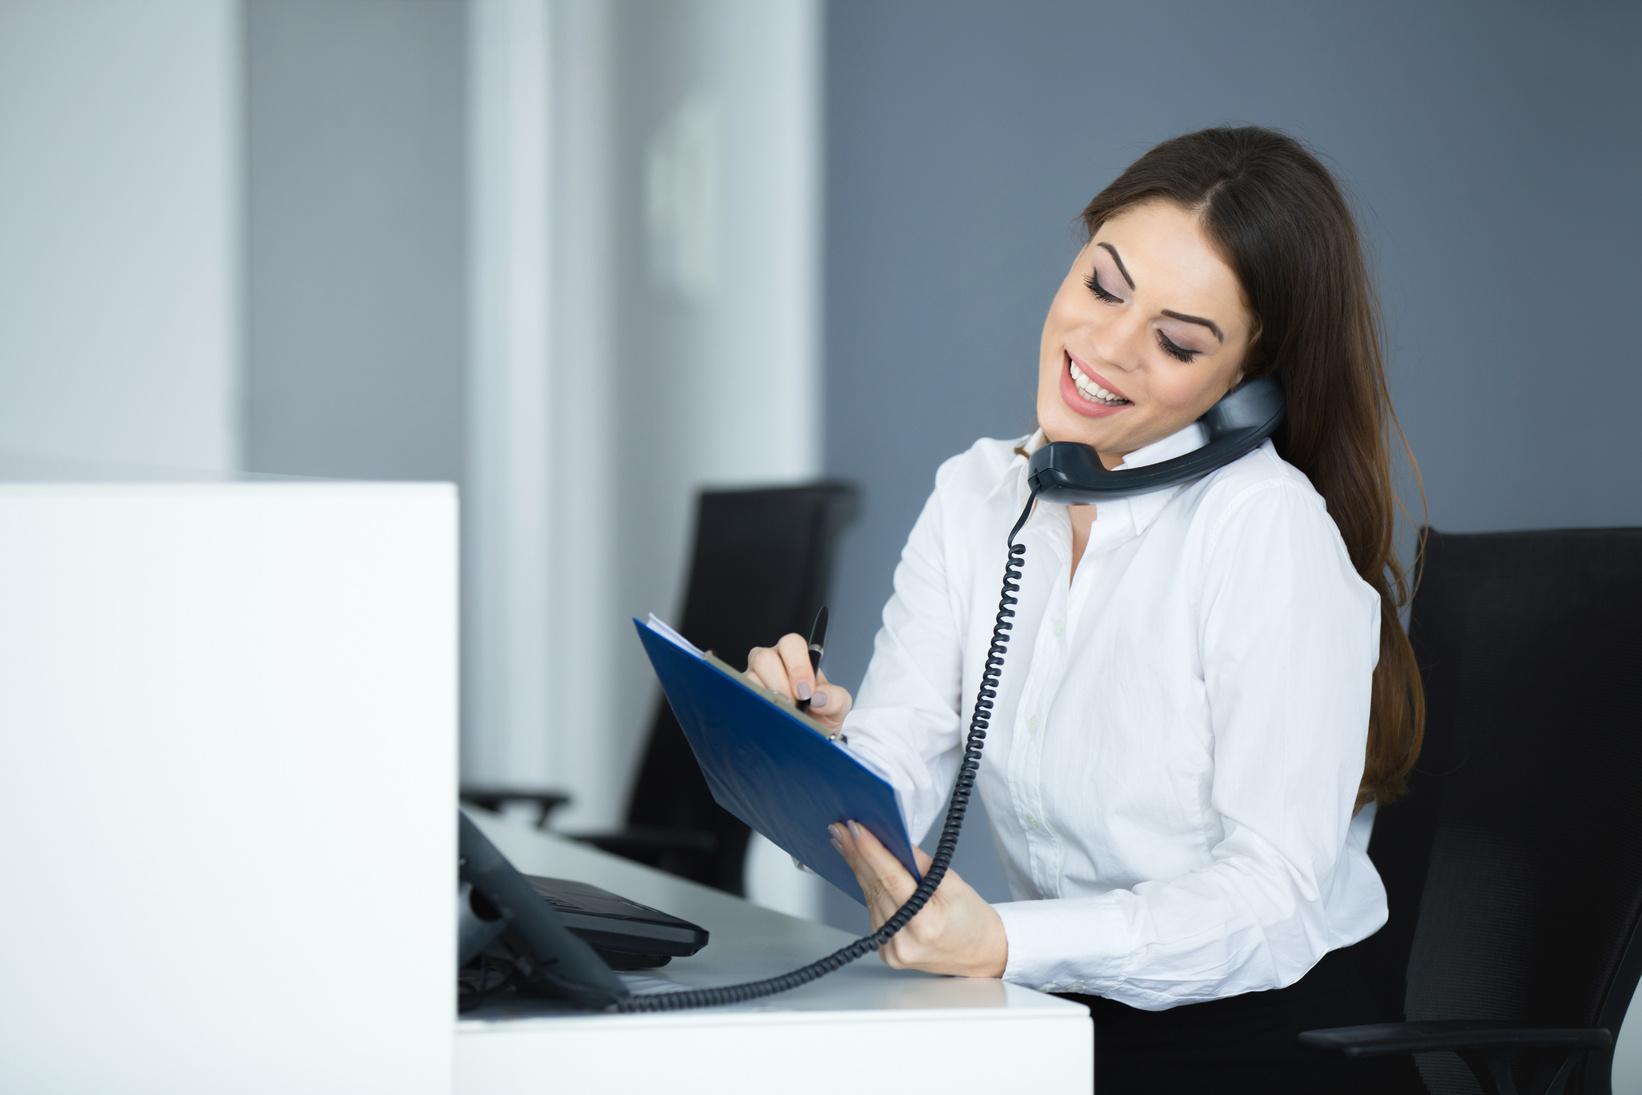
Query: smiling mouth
<point>1092,391</point>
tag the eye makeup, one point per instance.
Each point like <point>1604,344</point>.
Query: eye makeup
<point>1095,287</point>
<point>1168,345</point>
<point>1174,349</point>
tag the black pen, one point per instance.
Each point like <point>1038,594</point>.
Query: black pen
<point>818,647</point>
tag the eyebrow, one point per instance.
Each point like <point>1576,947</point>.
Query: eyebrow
<point>1209,323</point>
<point>1120,267</point>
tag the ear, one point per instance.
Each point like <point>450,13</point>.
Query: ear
<point>1249,350</point>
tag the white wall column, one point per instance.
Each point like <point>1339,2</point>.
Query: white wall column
<point>507,650</point>
<point>592,736</point>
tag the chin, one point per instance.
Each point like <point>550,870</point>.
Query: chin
<point>1066,426</point>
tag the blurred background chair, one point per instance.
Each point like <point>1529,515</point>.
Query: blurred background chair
<point>1514,866</point>
<point>761,567</point>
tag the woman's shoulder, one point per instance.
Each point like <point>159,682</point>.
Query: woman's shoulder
<point>1261,479</point>
<point>1260,508</point>
<point>1261,494</point>
<point>981,468</point>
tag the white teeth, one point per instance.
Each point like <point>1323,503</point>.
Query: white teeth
<point>1090,390</point>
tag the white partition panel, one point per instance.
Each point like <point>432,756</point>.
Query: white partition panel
<point>227,787</point>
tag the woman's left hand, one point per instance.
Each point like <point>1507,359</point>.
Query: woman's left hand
<point>957,932</point>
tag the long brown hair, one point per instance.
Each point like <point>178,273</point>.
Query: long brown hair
<point>1281,223</point>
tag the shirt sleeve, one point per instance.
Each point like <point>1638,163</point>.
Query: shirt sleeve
<point>1289,635</point>
<point>905,719</point>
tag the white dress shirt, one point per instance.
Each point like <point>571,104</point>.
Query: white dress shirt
<point>1178,737</point>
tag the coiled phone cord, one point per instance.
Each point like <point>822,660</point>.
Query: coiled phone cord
<point>979,719</point>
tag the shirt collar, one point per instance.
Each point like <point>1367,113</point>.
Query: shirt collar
<point>1179,443</point>
<point>1140,510</point>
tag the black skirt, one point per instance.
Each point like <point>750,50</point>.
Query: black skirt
<point>1245,1043</point>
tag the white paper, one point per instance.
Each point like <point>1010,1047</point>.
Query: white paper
<point>662,628</point>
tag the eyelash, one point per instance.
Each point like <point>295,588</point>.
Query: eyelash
<point>1095,287</point>
<point>1179,353</point>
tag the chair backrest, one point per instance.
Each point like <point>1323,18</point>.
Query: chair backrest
<point>761,567</point>
<point>1514,866</point>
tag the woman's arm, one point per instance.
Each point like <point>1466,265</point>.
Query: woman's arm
<point>905,721</point>
<point>957,933</point>
<point>905,718</point>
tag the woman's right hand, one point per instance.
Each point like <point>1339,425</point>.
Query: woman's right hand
<point>785,668</point>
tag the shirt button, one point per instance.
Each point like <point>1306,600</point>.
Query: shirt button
<point>1032,822</point>
<point>1060,627</point>
<point>1075,986</point>
<point>1032,725</point>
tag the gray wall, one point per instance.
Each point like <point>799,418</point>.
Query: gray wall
<point>355,308</point>
<point>1493,147</point>
<point>119,148</point>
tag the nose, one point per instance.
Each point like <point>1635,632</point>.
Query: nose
<point>1119,341</point>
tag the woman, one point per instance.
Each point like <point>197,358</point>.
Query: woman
<point>1208,688</point>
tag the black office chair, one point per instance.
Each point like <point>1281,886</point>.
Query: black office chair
<point>1514,866</point>
<point>761,567</point>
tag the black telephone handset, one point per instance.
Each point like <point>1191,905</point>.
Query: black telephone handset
<point>495,901</point>
<point>1072,474</point>
<point>557,963</point>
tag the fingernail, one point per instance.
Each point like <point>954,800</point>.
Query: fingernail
<point>803,690</point>
<point>820,700</point>
<point>855,830</point>
<point>834,831</point>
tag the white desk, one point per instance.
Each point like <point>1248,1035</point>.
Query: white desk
<point>227,787</point>
<point>866,1028</point>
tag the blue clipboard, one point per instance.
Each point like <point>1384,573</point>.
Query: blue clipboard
<point>771,766</point>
